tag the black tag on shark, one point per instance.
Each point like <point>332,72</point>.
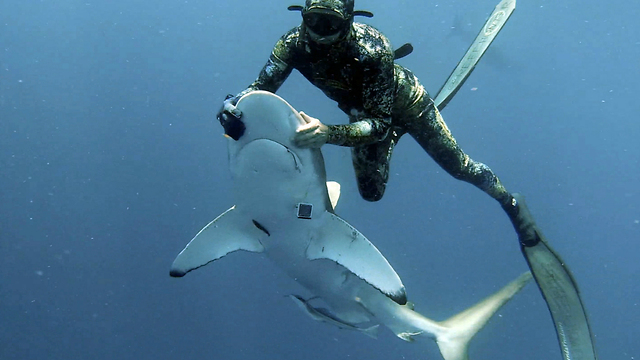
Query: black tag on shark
<point>304,211</point>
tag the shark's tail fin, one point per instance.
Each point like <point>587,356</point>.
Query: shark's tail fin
<point>456,332</point>
<point>453,335</point>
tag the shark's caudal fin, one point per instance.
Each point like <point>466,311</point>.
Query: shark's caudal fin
<point>458,330</point>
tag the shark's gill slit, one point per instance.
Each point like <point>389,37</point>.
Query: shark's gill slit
<point>259,226</point>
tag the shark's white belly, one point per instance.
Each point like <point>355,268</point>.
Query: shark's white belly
<point>273,180</point>
<point>343,291</point>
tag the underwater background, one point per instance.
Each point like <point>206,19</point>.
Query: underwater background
<point>111,160</point>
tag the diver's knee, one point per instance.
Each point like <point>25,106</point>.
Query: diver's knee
<point>370,194</point>
<point>372,197</point>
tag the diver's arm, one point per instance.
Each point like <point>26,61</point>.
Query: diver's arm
<point>278,67</point>
<point>363,132</point>
<point>377,99</point>
<point>273,74</point>
<point>271,77</point>
<point>313,133</point>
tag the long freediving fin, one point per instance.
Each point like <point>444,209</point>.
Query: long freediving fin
<point>489,31</point>
<point>563,300</point>
<point>560,291</point>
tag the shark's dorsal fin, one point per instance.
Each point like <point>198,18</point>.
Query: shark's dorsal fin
<point>342,243</point>
<point>333,188</point>
<point>229,232</point>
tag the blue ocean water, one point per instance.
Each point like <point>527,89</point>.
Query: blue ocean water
<point>111,160</point>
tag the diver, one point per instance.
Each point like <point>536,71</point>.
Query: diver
<point>353,64</point>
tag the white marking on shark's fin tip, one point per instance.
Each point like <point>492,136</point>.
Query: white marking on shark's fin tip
<point>333,188</point>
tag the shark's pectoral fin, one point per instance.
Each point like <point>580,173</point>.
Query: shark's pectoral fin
<point>231,231</point>
<point>342,243</point>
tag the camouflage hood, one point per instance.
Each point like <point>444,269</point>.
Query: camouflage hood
<point>344,8</point>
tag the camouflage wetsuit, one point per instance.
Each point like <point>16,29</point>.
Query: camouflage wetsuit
<point>383,100</point>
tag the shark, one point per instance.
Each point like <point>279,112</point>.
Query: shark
<point>285,209</point>
<point>326,316</point>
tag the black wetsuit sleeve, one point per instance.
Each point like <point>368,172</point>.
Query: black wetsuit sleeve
<point>373,124</point>
<point>278,67</point>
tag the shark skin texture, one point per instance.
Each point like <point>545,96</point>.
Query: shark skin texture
<point>285,210</point>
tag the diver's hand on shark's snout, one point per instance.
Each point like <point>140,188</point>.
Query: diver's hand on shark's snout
<point>229,116</point>
<point>312,134</point>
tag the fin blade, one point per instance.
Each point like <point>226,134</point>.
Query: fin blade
<point>221,236</point>
<point>465,66</point>
<point>560,291</point>
<point>563,300</point>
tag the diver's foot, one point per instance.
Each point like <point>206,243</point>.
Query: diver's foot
<point>522,220</point>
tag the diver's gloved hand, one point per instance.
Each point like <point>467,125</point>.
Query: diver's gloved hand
<point>229,117</point>
<point>312,134</point>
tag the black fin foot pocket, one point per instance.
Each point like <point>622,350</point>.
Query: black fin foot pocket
<point>523,222</point>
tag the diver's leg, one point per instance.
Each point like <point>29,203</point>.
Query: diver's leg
<point>431,132</point>
<point>371,165</point>
<point>551,273</point>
